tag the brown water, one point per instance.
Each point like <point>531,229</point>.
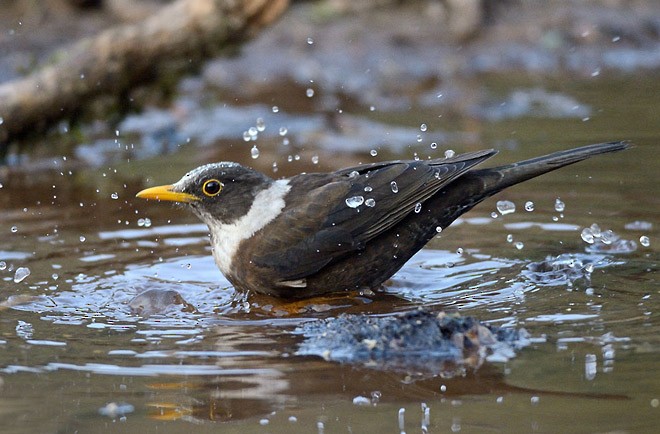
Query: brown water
<point>74,358</point>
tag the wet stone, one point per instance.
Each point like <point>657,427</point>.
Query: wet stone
<point>415,341</point>
<point>158,301</point>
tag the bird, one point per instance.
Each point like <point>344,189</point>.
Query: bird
<point>319,233</point>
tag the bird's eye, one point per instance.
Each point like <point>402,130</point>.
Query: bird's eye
<point>212,187</point>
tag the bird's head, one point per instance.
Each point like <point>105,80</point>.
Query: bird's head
<point>216,193</point>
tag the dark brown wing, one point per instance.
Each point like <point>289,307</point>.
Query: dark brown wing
<point>319,226</point>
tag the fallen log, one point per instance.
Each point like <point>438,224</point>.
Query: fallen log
<point>119,59</point>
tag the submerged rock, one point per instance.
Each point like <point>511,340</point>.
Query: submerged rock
<point>158,301</point>
<point>417,341</point>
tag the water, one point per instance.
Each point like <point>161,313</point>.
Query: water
<point>79,351</point>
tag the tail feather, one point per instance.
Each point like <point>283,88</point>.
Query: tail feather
<point>496,179</point>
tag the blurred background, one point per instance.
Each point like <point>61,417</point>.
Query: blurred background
<point>316,86</point>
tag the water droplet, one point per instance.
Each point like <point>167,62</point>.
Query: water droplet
<point>21,274</point>
<point>3,265</point>
<point>419,138</point>
<point>395,188</point>
<point>354,174</point>
<point>595,229</point>
<point>559,205</point>
<point>587,235</point>
<point>275,169</point>
<point>355,201</point>
<point>370,202</point>
<point>418,207</point>
<point>82,238</point>
<point>147,222</point>
<point>509,238</point>
<point>254,152</point>
<point>616,39</point>
<point>261,124</point>
<point>309,92</point>
<point>423,128</point>
<point>55,276</point>
<point>589,268</point>
<point>645,241</point>
<point>315,159</point>
<point>596,72</point>
<point>368,188</point>
<point>373,152</point>
<point>14,229</point>
<point>535,400</point>
<point>285,141</point>
<point>114,196</point>
<point>246,136</point>
<point>438,229</point>
<point>275,109</point>
<point>140,222</point>
<point>529,206</point>
<point>283,131</point>
<point>253,132</point>
<point>590,367</point>
<point>449,153</point>
<point>494,215</point>
<point>459,251</point>
<point>506,207</point>
<point>607,237</point>
<point>310,41</point>
<point>434,145</point>
<point>2,121</point>
<point>372,108</point>
<point>519,245</point>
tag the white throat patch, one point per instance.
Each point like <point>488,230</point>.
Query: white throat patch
<point>267,205</point>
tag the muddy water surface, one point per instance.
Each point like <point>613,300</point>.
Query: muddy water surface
<point>75,357</point>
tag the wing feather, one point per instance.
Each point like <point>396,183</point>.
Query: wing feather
<point>319,227</point>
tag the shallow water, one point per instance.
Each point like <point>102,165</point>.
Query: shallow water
<point>75,357</point>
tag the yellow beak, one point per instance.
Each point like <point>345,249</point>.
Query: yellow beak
<point>164,192</point>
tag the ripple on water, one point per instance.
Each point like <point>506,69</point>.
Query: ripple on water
<point>565,269</point>
<point>102,301</point>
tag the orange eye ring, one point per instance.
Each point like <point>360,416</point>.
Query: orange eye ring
<point>212,187</point>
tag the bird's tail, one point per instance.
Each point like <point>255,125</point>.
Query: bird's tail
<point>496,179</point>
